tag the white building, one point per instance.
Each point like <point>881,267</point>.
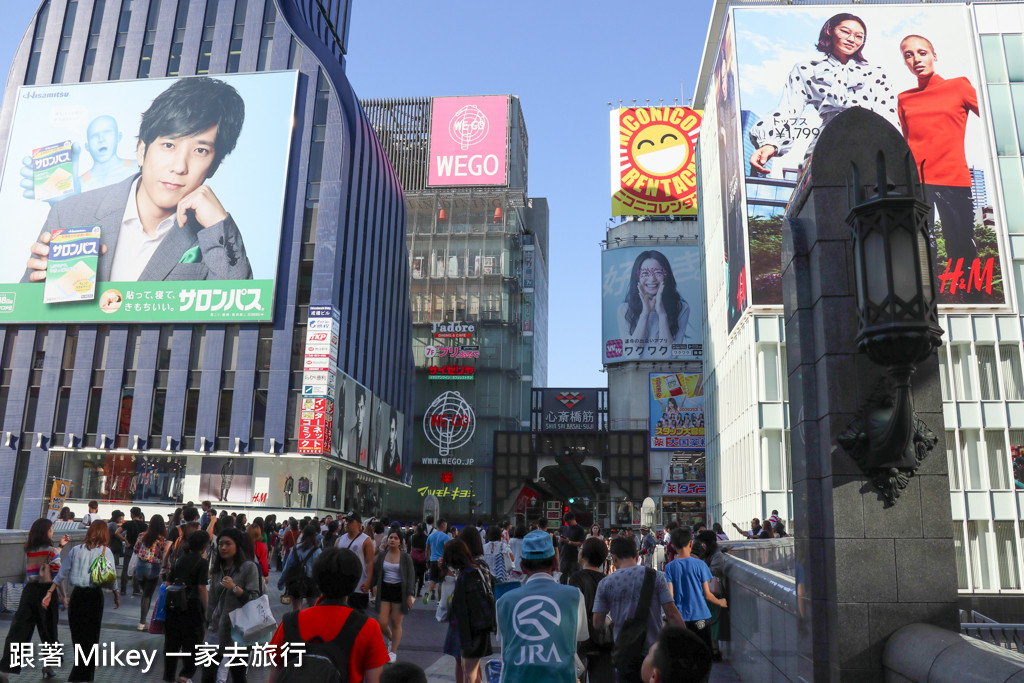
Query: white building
<point>745,350</point>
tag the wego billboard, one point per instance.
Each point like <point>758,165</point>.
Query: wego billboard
<point>469,141</point>
<point>797,68</point>
<point>653,152</point>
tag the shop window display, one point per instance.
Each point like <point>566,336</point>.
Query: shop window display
<point>126,477</point>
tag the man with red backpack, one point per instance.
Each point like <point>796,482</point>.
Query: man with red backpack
<point>341,644</point>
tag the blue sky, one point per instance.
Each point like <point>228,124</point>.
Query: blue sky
<point>565,60</point>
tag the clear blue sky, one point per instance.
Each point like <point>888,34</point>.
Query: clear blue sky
<point>565,60</point>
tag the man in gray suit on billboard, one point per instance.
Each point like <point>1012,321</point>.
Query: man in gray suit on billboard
<point>164,223</point>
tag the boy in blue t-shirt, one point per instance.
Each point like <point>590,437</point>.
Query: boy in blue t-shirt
<point>688,580</point>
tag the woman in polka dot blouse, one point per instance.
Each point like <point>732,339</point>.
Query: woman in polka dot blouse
<point>840,80</point>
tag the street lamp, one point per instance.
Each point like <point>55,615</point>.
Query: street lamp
<point>899,326</point>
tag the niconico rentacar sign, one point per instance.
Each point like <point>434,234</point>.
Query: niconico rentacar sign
<point>653,161</point>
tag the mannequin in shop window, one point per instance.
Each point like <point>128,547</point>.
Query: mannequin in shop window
<point>289,487</point>
<point>227,474</point>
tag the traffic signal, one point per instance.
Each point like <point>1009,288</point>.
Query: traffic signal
<point>572,500</point>
<point>565,509</point>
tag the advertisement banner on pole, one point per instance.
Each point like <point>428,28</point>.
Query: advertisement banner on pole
<point>677,411</point>
<point>121,209</point>
<point>653,153</point>
<point>59,492</point>
<point>650,303</point>
<point>820,61</point>
<point>468,141</point>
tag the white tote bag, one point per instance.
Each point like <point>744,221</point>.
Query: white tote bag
<point>253,620</point>
<point>444,604</point>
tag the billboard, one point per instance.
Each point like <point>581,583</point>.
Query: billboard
<point>653,154</point>
<point>186,233</point>
<point>357,403</point>
<point>468,141</point>
<point>727,129</point>
<point>650,304</point>
<point>797,68</point>
<point>677,411</point>
<point>569,410</point>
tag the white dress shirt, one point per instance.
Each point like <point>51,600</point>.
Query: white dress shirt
<point>134,247</point>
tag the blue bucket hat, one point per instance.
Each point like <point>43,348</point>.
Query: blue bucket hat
<point>537,546</point>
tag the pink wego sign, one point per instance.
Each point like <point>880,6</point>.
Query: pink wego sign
<point>469,141</point>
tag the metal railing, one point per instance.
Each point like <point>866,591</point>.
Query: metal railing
<point>977,625</point>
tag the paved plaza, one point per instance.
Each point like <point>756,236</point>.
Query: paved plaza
<point>421,643</point>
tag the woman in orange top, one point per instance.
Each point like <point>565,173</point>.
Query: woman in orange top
<point>934,120</point>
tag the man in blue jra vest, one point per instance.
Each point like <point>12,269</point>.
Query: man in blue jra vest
<point>541,622</point>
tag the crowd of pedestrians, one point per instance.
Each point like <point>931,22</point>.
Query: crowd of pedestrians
<point>566,605</point>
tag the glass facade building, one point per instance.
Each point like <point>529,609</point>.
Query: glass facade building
<point>156,414</point>
<point>980,359</point>
<point>477,258</point>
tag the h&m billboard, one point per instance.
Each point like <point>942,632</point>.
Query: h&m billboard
<point>784,72</point>
<point>468,141</point>
<point>135,201</point>
<point>653,154</point>
<point>650,302</point>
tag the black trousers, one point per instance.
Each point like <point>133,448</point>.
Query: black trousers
<point>703,630</point>
<point>956,213</point>
<point>236,673</point>
<point>31,617</point>
<point>182,632</point>
<point>85,615</point>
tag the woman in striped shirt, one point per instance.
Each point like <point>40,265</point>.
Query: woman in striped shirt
<point>36,611</point>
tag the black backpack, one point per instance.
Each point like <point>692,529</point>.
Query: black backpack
<point>628,652</point>
<point>325,662</point>
<point>479,593</point>
<point>297,571</point>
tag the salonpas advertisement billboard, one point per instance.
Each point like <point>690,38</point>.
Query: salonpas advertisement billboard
<point>156,200</point>
<point>653,153</point>
<point>650,302</point>
<point>797,68</point>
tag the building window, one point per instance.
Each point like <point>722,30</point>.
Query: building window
<point>95,23</point>
<point>987,376</point>
<point>995,449</point>
<point>294,54</point>
<point>978,537</point>
<point>961,555</point>
<point>121,40</point>
<point>237,29</point>
<point>64,47</point>
<point>1013,380</point>
<point>952,465</point>
<point>1006,554</point>
<point>962,365</point>
<point>206,47</point>
<point>191,412</point>
<point>37,44</point>
<point>178,38</point>
<point>149,38</point>
<point>156,424</point>
<point>267,36</point>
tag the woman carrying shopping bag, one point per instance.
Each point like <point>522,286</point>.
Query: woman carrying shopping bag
<point>85,604</point>
<point>150,549</point>
<point>234,581</point>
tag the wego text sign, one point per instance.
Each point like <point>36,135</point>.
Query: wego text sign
<point>469,141</point>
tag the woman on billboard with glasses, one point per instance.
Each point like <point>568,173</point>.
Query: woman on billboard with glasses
<point>840,80</point>
<point>653,310</point>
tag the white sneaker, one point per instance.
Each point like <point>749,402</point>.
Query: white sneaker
<point>392,656</point>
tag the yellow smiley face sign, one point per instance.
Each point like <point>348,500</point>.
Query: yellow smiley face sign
<point>653,161</point>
